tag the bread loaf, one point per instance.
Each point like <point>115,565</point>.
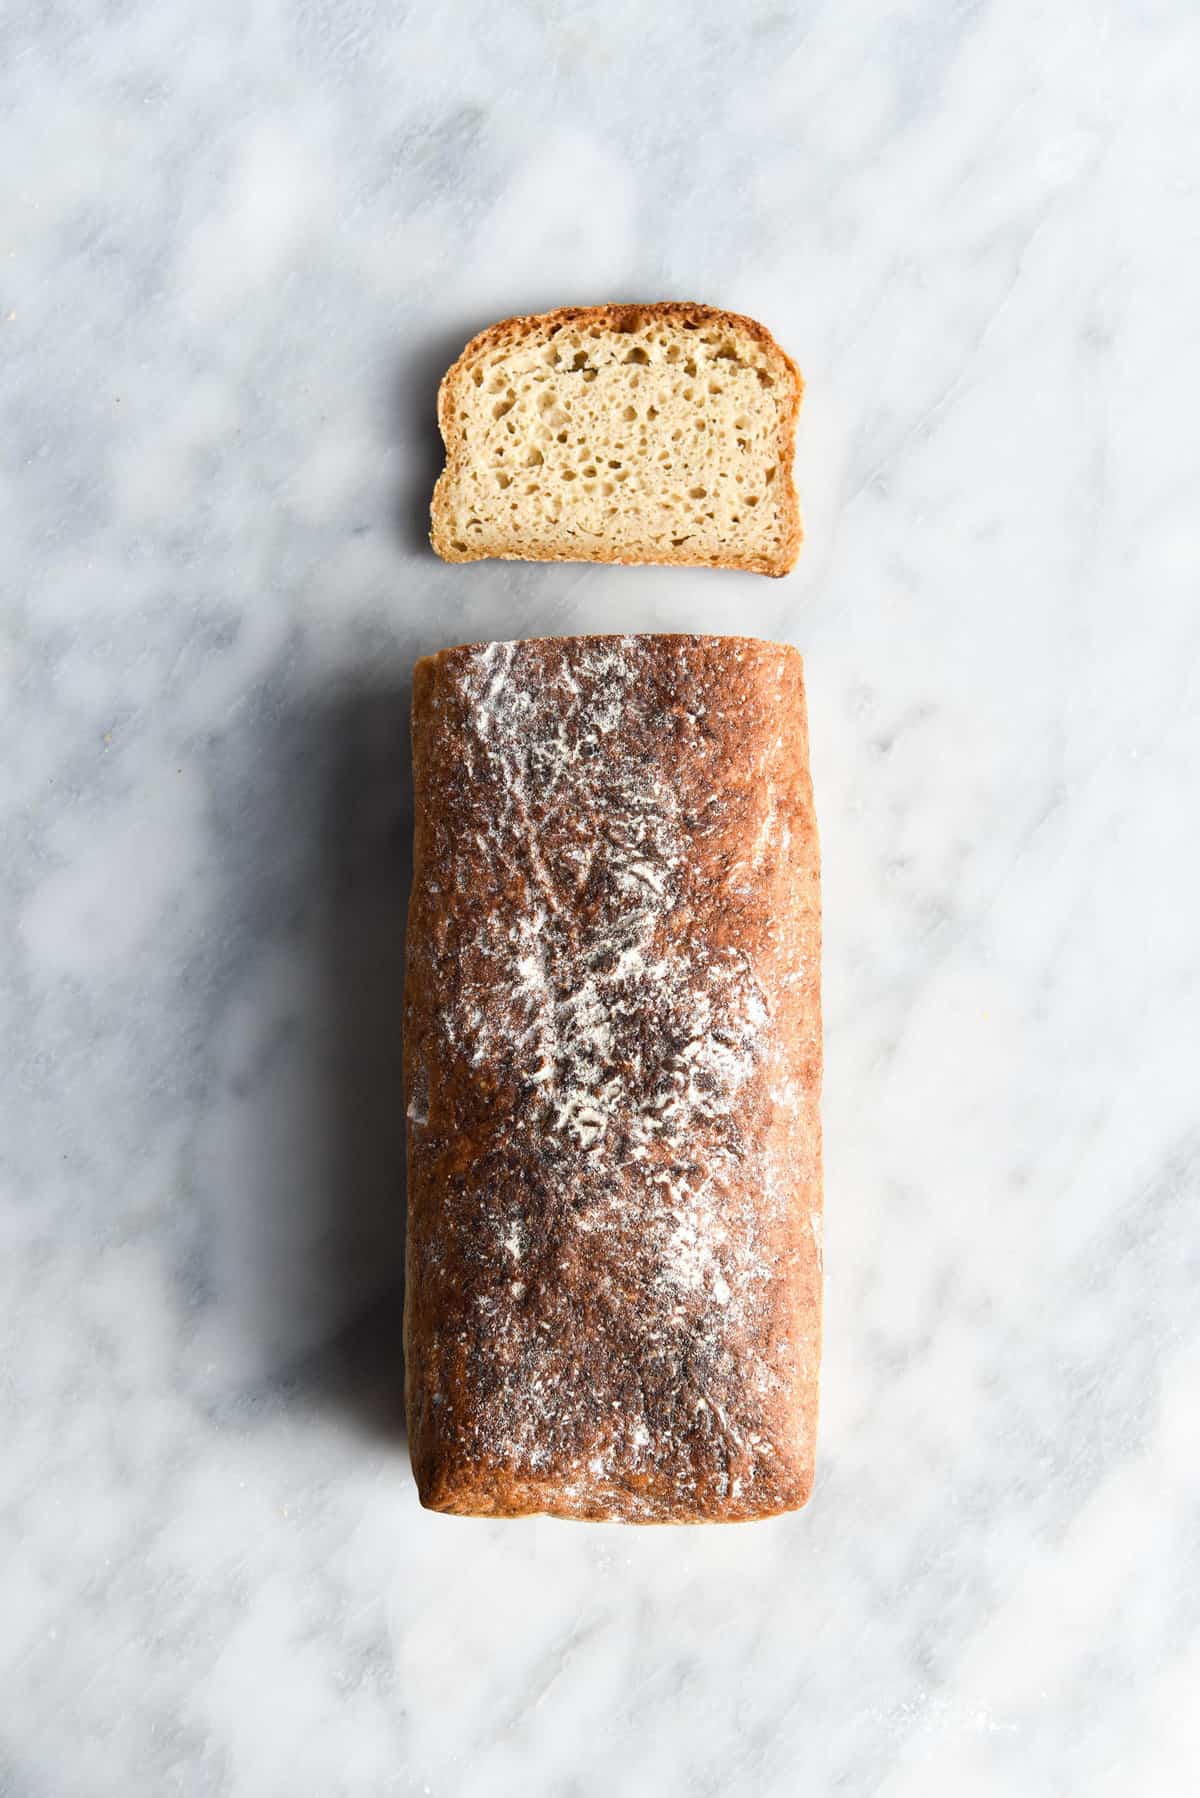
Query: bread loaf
<point>621,434</point>
<point>613,1061</point>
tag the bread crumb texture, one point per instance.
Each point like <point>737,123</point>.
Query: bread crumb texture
<point>658,433</point>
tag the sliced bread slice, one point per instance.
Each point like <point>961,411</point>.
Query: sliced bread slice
<point>657,433</point>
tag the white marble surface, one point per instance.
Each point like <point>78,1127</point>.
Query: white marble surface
<point>237,245</point>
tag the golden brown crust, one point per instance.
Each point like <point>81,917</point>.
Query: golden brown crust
<point>612,1061</point>
<point>625,317</point>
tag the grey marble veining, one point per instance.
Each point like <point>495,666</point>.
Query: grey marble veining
<point>238,245</point>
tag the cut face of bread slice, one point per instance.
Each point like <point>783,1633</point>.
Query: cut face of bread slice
<point>621,434</point>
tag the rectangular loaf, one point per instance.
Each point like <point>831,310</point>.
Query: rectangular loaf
<point>613,1064</point>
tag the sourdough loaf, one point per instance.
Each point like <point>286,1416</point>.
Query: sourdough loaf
<point>613,1059</point>
<point>658,433</point>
